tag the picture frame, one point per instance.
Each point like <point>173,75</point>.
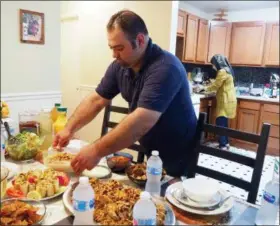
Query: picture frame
<point>32,27</point>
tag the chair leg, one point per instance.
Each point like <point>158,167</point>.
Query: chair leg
<point>140,157</point>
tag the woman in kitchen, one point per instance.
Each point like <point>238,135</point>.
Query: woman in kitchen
<point>225,94</point>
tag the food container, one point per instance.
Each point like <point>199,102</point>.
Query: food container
<point>4,176</point>
<point>137,173</point>
<point>119,161</point>
<point>26,147</point>
<point>29,121</point>
<point>194,188</point>
<point>38,204</point>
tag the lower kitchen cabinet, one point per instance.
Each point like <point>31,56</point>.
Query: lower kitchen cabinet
<point>249,118</point>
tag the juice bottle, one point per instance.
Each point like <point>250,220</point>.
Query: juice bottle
<point>46,128</point>
<point>54,112</point>
<point>60,121</point>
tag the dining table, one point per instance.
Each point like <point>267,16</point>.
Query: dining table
<point>242,212</point>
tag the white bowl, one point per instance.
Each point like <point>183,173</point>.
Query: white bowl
<point>200,189</point>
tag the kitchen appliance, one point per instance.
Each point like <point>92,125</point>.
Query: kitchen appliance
<point>197,75</point>
<point>274,82</point>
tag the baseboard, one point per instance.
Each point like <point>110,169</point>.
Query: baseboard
<point>32,101</point>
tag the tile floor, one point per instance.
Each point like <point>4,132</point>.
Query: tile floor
<point>238,170</point>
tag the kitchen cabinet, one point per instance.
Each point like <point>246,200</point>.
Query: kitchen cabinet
<point>271,57</point>
<point>191,38</point>
<point>202,41</point>
<point>248,116</point>
<point>219,39</point>
<point>270,114</point>
<point>181,27</point>
<point>248,120</point>
<point>247,43</point>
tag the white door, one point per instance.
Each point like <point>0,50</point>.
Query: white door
<point>70,63</point>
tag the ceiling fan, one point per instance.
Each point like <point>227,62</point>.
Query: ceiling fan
<point>219,16</point>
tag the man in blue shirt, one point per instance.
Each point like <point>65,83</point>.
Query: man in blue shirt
<point>154,84</point>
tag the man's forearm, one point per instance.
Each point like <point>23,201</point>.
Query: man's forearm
<point>86,111</point>
<point>130,130</point>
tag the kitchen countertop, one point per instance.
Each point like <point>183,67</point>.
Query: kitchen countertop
<point>264,99</point>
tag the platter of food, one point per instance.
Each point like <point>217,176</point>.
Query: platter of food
<point>114,203</point>
<point>60,161</point>
<point>38,184</point>
<point>22,212</point>
<point>137,173</point>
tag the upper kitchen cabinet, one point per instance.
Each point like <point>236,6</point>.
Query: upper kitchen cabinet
<point>202,41</point>
<point>247,43</point>
<point>191,38</point>
<point>271,57</point>
<point>181,28</point>
<point>219,39</point>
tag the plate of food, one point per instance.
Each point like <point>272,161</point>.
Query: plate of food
<point>114,203</point>
<point>22,212</point>
<point>60,161</point>
<point>38,184</point>
<point>137,173</point>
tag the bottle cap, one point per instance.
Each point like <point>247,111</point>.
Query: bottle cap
<point>155,153</point>
<point>83,180</point>
<point>62,109</point>
<point>145,195</point>
<point>57,104</point>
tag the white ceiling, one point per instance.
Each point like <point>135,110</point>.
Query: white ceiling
<point>215,6</point>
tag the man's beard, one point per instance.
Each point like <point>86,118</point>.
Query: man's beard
<point>123,63</point>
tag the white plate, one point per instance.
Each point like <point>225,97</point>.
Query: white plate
<point>44,199</point>
<point>169,217</point>
<point>222,209</point>
<point>187,201</point>
<point>13,169</point>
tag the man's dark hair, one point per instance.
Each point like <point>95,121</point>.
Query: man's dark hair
<point>130,23</point>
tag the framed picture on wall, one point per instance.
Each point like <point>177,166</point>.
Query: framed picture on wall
<point>32,27</point>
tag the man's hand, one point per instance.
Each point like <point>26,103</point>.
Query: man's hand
<point>87,158</point>
<point>62,138</point>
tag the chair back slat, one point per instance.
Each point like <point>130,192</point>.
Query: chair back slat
<point>240,135</point>
<point>109,124</point>
<point>117,109</point>
<point>255,163</point>
<point>234,157</point>
<point>257,173</point>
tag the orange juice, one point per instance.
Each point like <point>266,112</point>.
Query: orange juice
<point>54,112</point>
<point>61,120</point>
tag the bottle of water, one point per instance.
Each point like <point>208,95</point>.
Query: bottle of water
<point>144,210</point>
<point>2,151</point>
<point>267,214</point>
<point>154,174</point>
<point>83,203</point>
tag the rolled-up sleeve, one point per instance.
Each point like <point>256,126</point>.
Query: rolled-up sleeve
<point>108,87</point>
<point>160,87</point>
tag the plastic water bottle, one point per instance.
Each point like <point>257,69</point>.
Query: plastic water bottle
<point>267,214</point>
<point>2,151</point>
<point>83,203</point>
<point>144,210</point>
<point>154,174</point>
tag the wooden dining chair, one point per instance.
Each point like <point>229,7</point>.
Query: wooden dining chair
<point>109,124</point>
<point>255,163</point>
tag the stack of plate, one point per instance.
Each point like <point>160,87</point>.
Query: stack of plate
<point>199,196</point>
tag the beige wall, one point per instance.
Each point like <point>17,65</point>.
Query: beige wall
<point>29,67</point>
<point>95,56</point>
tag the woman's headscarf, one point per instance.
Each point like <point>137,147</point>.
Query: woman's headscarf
<point>221,62</point>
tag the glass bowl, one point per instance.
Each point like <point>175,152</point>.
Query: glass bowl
<point>39,204</point>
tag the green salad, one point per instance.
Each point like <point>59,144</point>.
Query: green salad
<point>24,146</point>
